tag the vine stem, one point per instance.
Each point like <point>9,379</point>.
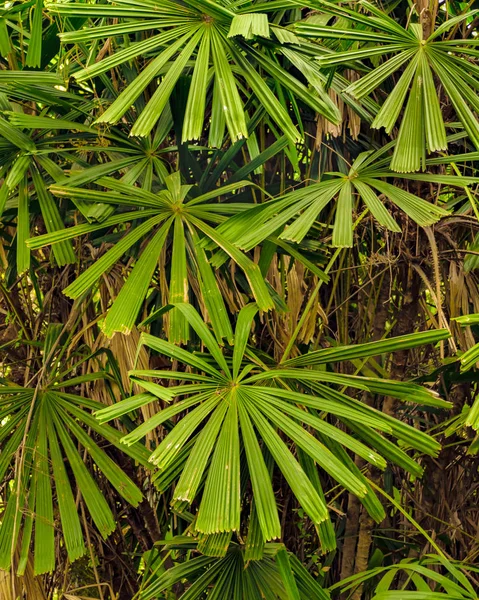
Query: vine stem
<point>398,506</point>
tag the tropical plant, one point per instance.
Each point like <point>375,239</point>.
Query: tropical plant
<point>422,575</point>
<point>365,178</point>
<point>187,219</point>
<point>245,392</point>
<point>238,299</point>
<point>224,40</point>
<point>42,419</point>
<point>231,572</point>
<point>422,54</point>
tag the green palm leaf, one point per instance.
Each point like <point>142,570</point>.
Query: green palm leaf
<point>213,35</point>
<point>228,400</point>
<point>51,427</point>
<point>422,126</point>
<point>175,216</point>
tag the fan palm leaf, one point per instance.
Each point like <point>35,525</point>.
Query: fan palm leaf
<point>222,42</point>
<point>422,126</point>
<point>50,425</point>
<point>235,394</point>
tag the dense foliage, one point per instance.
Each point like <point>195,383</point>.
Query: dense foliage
<point>238,299</point>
